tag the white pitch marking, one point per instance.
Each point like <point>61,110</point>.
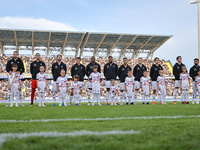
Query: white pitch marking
<point>5,136</point>
<point>99,119</point>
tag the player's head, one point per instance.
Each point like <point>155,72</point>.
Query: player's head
<point>95,68</point>
<point>184,69</point>
<point>198,72</point>
<point>14,67</point>
<point>62,72</point>
<point>59,57</point>
<point>78,60</point>
<point>42,68</point>
<point>157,60</point>
<point>161,72</point>
<point>129,73</point>
<point>196,61</point>
<point>37,56</point>
<point>112,82</point>
<point>15,54</point>
<point>110,59</point>
<point>179,59</point>
<point>92,59</point>
<point>125,60</point>
<point>140,60</point>
<point>145,73</point>
<point>76,78</point>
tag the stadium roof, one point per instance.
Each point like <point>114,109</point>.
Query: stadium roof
<point>82,42</point>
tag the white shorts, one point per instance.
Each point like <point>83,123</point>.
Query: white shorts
<point>96,88</point>
<point>41,85</point>
<point>14,89</point>
<point>77,97</point>
<point>129,91</point>
<point>154,85</point>
<point>62,93</point>
<point>89,85</point>
<point>107,84</point>
<point>185,86</point>
<point>145,90</point>
<point>177,84</point>
<point>198,92</point>
<point>54,89</point>
<point>162,90</point>
<point>122,86</point>
<point>137,85</point>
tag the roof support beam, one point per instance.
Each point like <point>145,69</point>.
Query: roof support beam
<point>32,43</point>
<point>62,51</point>
<point>48,44</point>
<point>143,45</point>
<point>83,45</point>
<point>77,48</point>
<point>16,42</point>
<point>113,46</point>
<point>98,45</point>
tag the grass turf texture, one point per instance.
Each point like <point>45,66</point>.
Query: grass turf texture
<point>177,133</point>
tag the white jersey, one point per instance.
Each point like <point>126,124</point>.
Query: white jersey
<point>197,80</point>
<point>145,81</point>
<point>184,77</point>
<point>95,77</point>
<point>76,87</point>
<point>113,89</point>
<point>41,77</point>
<point>129,81</point>
<point>62,81</point>
<point>161,80</point>
<point>14,78</point>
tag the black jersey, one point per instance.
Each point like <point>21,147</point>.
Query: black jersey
<point>18,62</point>
<point>89,68</point>
<point>177,69</point>
<point>122,72</point>
<point>194,71</point>
<point>56,68</point>
<point>35,68</point>
<point>110,71</point>
<point>154,71</point>
<point>138,71</point>
<point>78,70</point>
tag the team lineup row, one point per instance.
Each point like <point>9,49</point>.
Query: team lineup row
<point>111,71</point>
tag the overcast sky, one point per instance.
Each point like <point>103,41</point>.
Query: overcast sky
<point>163,17</point>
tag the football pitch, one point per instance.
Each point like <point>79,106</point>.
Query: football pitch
<point>100,127</point>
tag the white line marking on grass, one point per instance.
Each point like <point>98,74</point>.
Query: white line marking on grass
<point>99,119</point>
<point>5,136</point>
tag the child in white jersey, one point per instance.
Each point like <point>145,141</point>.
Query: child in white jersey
<point>185,82</point>
<point>197,84</point>
<point>96,78</point>
<point>14,84</point>
<point>62,87</point>
<point>76,90</point>
<point>129,87</point>
<point>145,87</point>
<point>41,78</point>
<point>114,92</point>
<point>162,86</point>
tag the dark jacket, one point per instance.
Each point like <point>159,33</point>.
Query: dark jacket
<point>138,71</point>
<point>89,68</point>
<point>78,70</point>
<point>110,71</point>
<point>56,68</point>
<point>122,72</point>
<point>154,71</point>
<point>18,62</point>
<point>193,71</point>
<point>35,68</point>
<point>177,69</point>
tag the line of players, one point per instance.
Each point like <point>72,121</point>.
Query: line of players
<point>111,71</point>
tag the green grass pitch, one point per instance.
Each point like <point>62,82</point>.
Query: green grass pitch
<point>163,133</point>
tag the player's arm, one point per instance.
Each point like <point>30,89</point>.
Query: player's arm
<point>99,68</point>
<point>104,71</point>
<point>119,71</point>
<point>72,72</point>
<point>141,86</point>
<point>191,73</point>
<point>133,87</point>
<point>19,88</point>
<point>116,70</point>
<point>134,71</point>
<point>46,85</point>
<point>37,78</point>
<point>22,67</point>
<point>151,72</point>
<point>87,71</point>
<point>158,85</point>
<point>52,70</point>
<point>196,84</point>
<point>9,68</point>
<point>80,90</point>
<point>180,84</point>
<point>90,78</point>
<point>31,68</point>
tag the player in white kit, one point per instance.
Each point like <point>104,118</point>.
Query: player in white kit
<point>62,87</point>
<point>14,83</point>
<point>96,78</point>
<point>76,90</point>
<point>197,84</point>
<point>41,78</point>
<point>113,92</point>
<point>129,88</point>
<point>162,86</point>
<point>185,80</point>
<point>145,87</point>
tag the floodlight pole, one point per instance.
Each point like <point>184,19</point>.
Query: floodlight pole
<point>198,1</point>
